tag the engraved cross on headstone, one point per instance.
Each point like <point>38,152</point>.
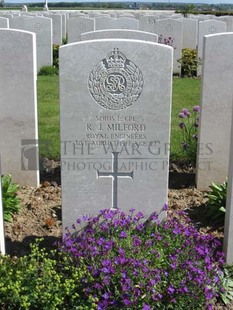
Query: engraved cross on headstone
<point>212,29</point>
<point>38,26</point>
<point>115,174</point>
<point>169,28</point>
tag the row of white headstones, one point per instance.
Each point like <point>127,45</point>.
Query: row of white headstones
<point>153,67</point>
<point>50,28</point>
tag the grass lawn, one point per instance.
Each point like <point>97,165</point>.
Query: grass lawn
<point>48,114</point>
<point>186,94</point>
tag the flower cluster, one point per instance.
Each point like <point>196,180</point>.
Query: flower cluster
<point>141,263</point>
<point>167,41</point>
<point>189,126</point>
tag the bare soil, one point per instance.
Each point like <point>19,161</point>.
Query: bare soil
<point>40,214</point>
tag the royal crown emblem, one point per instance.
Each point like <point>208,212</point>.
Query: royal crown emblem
<point>115,82</point>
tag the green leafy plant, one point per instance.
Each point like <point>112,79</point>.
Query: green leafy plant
<point>226,278</point>
<point>189,127</point>
<point>56,55</point>
<point>42,280</point>
<point>11,203</point>
<point>189,62</point>
<point>48,70</point>
<point>64,41</point>
<point>217,202</point>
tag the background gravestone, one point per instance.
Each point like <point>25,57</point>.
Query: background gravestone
<point>216,106</point>
<point>205,28</point>
<point>57,27</point>
<point>170,32</point>
<point>18,106</point>
<point>147,23</point>
<point>229,22</point>
<point>42,26</point>
<point>119,34</point>
<point>4,22</point>
<point>125,23</point>
<point>102,22</point>
<point>78,25</point>
<point>115,126</point>
<point>190,27</point>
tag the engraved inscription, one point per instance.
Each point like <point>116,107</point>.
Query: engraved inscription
<point>115,83</point>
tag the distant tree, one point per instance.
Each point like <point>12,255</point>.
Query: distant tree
<point>188,9</point>
<point>2,3</point>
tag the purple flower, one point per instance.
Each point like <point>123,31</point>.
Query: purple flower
<point>123,234</point>
<point>165,207</point>
<point>132,210</point>
<point>185,111</point>
<point>196,108</point>
<point>126,301</point>
<point>181,115</point>
<point>106,295</point>
<point>182,125</point>
<point>139,215</point>
<point>171,290</point>
<point>146,307</point>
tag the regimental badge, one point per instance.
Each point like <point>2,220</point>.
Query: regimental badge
<point>115,82</point>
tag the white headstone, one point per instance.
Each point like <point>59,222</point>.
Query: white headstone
<point>18,106</point>
<point>147,23</point>
<point>2,233</point>
<point>119,34</point>
<point>17,22</point>
<point>64,23</point>
<point>205,28</point>
<point>57,28</point>
<point>78,25</point>
<point>216,106</point>
<point>190,29</point>
<point>116,23</point>
<point>115,124</point>
<point>228,224</point>
<point>229,22</point>
<point>42,26</point>
<point>125,23</point>
<point>4,22</point>
<point>170,32</point>
<point>103,22</point>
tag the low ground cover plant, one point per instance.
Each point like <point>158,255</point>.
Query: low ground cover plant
<point>43,281</point>
<point>139,263</point>
<point>120,261</point>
